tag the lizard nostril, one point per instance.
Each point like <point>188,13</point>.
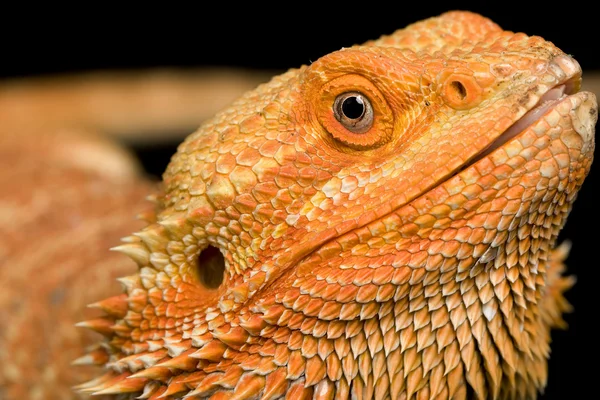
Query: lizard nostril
<point>211,267</point>
<point>459,89</point>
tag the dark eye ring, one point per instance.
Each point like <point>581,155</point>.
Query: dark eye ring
<point>354,111</point>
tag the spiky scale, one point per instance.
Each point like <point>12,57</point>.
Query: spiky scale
<point>174,387</point>
<point>95,357</point>
<point>150,389</point>
<point>221,396</point>
<point>276,385</point>
<point>155,373</point>
<point>232,337</point>
<point>299,391</point>
<point>116,384</point>
<point>212,351</point>
<point>324,390</point>
<point>136,251</point>
<point>100,325</point>
<point>96,382</point>
<point>115,306</point>
<point>231,377</point>
<point>296,365</point>
<point>249,386</point>
<point>205,387</point>
<point>183,362</point>
<point>315,370</point>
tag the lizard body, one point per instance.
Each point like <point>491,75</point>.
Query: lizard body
<point>58,216</point>
<point>379,224</point>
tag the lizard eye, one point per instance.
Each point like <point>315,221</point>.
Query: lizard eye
<point>354,111</point>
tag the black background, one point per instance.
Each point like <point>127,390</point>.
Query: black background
<point>277,38</point>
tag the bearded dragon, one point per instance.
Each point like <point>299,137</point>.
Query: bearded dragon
<point>381,224</point>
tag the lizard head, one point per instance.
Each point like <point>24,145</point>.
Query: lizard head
<point>381,221</point>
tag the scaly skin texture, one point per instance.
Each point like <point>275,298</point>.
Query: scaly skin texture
<point>404,261</point>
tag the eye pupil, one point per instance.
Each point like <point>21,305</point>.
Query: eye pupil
<point>354,111</point>
<point>353,107</point>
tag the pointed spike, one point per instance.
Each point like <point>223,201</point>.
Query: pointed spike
<point>273,313</point>
<point>220,396</point>
<point>231,377</point>
<point>183,362</point>
<point>296,365</point>
<point>254,325</point>
<point>212,351</point>
<point>129,282</point>
<point>130,239</point>
<point>201,340</point>
<point>325,390</point>
<point>153,237</point>
<point>157,349</point>
<point>136,251</point>
<point>150,359</point>
<point>204,387</point>
<point>256,281</point>
<point>276,385</point>
<point>137,303</point>
<point>100,325</point>
<point>121,326</point>
<point>148,216</point>
<point>154,373</point>
<point>94,382</point>
<point>248,387</point>
<point>96,357</point>
<point>115,306</point>
<point>561,252</point>
<point>149,390</point>
<point>174,226</point>
<point>233,337</point>
<point>124,386</point>
<point>239,292</point>
<point>177,347</point>
<point>158,393</point>
<point>193,379</point>
<point>175,387</point>
<point>159,260</point>
<point>299,392</point>
<point>152,198</point>
<point>106,383</point>
<point>131,363</point>
<point>226,305</point>
<point>88,359</point>
<point>315,370</point>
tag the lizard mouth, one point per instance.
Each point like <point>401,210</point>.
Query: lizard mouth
<point>547,102</point>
